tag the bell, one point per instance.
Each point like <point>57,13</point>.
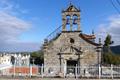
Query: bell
<point>68,21</point>
<point>75,21</point>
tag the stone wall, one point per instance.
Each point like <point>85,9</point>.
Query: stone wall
<point>51,57</point>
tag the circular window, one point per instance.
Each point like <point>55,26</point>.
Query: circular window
<point>72,40</point>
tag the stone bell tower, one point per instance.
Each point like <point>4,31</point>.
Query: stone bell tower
<point>71,17</point>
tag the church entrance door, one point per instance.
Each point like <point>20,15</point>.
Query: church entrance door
<point>71,65</point>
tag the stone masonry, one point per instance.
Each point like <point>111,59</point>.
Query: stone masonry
<point>71,47</point>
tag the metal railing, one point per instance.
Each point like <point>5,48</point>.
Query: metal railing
<point>63,71</point>
<point>54,34</point>
<point>82,72</point>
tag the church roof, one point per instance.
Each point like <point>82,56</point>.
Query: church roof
<point>71,8</point>
<point>89,36</point>
<point>87,39</point>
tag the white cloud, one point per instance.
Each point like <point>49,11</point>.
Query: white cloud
<point>112,27</point>
<point>19,47</point>
<point>11,28</point>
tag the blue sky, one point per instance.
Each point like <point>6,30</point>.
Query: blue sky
<point>30,21</point>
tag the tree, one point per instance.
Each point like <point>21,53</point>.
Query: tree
<point>37,58</point>
<point>108,41</point>
<point>110,58</point>
<point>107,53</point>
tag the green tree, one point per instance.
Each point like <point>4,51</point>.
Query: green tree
<point>108,56</point>
<point>37,58</point>
<point>107,53</point>
<point>108,41</point>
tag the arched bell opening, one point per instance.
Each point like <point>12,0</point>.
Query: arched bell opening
<point>68,18</point>
<point>75,22</point>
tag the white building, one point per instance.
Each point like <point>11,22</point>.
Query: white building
<point>5,58</point>
<point>17,59</point>
<point>11,62</point>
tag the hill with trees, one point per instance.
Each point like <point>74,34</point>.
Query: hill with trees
<point>115,49</point>
<point>111,54</point>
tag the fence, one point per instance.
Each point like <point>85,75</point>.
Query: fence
<point>63,71</point>
<point>82,72</point>
<point>20,71</point>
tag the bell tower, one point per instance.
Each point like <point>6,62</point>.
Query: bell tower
<point>71,18</point>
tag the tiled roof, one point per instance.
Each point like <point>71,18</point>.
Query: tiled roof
<point>87,39</point>
<point>89,36</point>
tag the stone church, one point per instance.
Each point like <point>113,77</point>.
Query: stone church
<point>71,47</point>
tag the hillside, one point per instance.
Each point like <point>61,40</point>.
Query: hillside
<point>115,49</point>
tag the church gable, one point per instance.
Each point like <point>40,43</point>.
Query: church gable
<point>71,8</point>
<point>72,43</point>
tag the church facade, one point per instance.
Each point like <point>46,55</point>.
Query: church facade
<point>71,47</point>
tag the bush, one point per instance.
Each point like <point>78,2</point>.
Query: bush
<point>110,58</point>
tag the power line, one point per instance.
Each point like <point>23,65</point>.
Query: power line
<point>114,6</point>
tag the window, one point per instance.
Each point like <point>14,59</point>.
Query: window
<point>67,22</point>
<point>75,19</point>
<point>72,40</point>
<point>68,19</point>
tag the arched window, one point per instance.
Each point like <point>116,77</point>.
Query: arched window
<point>72,40</point>
<point>75,18</point>
<point>67,22</point>
<point>68,19</point>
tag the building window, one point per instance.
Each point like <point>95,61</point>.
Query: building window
<point>72,40</point>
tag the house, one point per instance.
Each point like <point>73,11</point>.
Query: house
<point>17,64</point>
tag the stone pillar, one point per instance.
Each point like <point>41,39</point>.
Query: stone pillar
<point>14,72</point>
<point>78,23</point>
<point>71,23</point>
<point>31,70</point>
<point>45,46</point>
<point>28,60</point>
<point>63,22</point>
<point>99,50</point>
<point>64,26</point>
<point>65,68</point>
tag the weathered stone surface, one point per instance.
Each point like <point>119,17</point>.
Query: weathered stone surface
<point>62,45</point>
<point>69,46</point>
